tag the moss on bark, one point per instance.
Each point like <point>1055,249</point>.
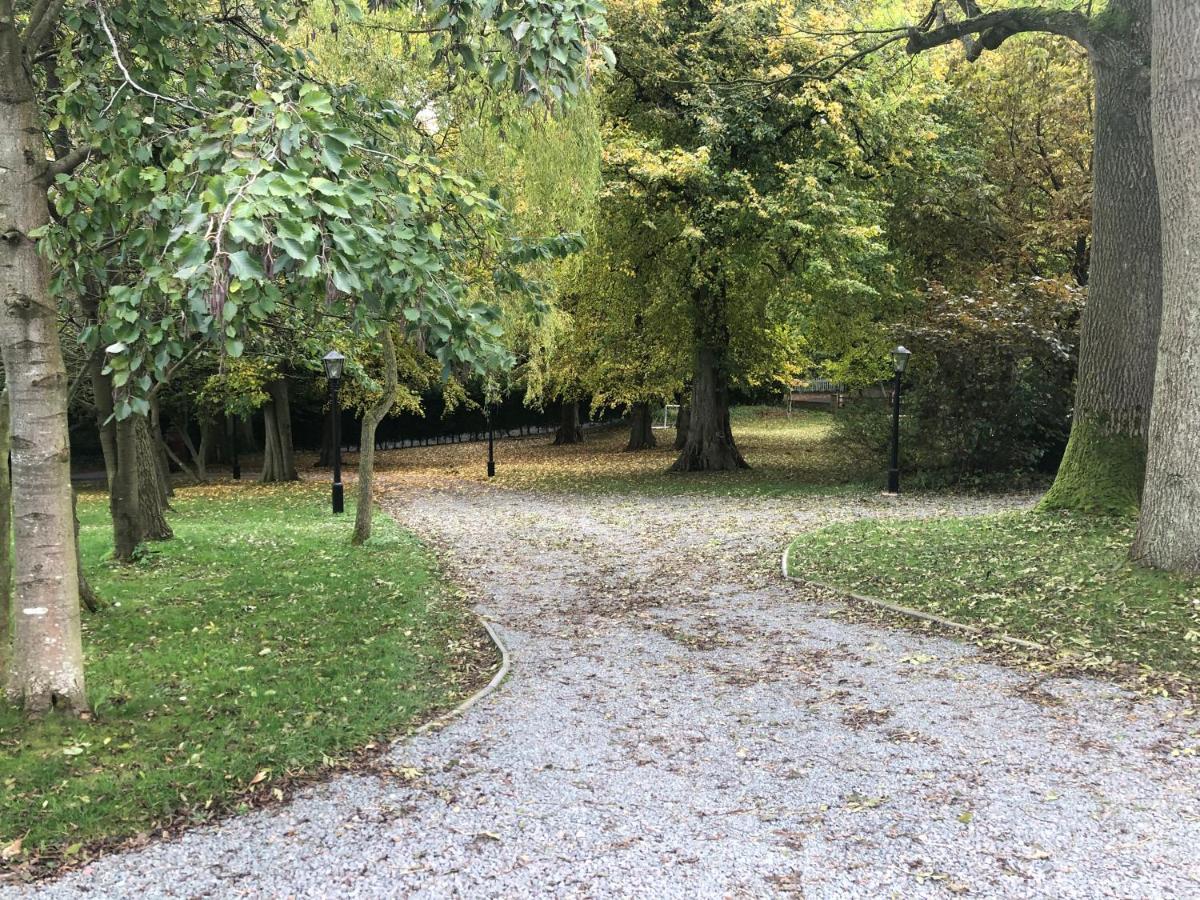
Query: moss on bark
<point>1101,473</point>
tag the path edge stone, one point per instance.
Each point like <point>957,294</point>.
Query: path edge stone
<point>915,613</point>
<point>446,718</point>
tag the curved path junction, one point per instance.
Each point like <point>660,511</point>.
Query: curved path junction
<point>682,722</point>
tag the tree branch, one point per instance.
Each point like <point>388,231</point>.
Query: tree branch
<point>68,163</point>
<point>995,28</point>
<point>42,20</point>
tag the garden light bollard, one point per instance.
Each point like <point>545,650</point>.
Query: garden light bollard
<point>899,363</point>
<point>334,363</point>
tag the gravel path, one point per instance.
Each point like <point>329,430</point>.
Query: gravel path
<point>681,722</point>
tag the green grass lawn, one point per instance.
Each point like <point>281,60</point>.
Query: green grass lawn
<point>255,648</point>
<point>1058,579</point>
<point>789,455</point>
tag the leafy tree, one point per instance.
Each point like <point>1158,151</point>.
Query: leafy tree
<point>1105,459</point>
<point>222,184</point>
<point>751,186</point>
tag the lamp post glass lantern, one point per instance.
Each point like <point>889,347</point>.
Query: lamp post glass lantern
<point>899,363</point>
<point>334,364</point>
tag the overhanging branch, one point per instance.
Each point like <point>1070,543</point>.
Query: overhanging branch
<point>994,28</point>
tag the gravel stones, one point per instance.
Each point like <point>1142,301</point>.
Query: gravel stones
<point>680,721</point>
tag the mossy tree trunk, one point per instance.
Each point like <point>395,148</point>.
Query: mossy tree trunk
<point>641,428</point>
<point>1168,535</point>
<point>366,450</point>
<point>569,430</point>
<point>1104,464</point>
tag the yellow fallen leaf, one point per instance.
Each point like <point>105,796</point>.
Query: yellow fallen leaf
<point>262,774</point>
<point>11,851</point>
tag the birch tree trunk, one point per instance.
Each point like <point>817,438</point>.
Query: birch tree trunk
<point>47,670</point>
<point>366,450</point>
<point>1168,535</point>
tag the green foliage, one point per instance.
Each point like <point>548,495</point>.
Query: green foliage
<point>1059,579</point>
<point>230,185</point>
<point>988,385</point>
<point>255,642</point>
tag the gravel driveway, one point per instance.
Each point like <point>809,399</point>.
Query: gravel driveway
<point>681,722</point>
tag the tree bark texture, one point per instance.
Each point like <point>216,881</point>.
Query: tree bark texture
<point>569,430</point>
<point>641,428</point>
<point>1104,464</point>
<point>366,449</point>
<point>123,501</point>
<point>1168,535</point>
<point>710,446</point>
<point>87,596</point>
<point>682,422</point>
<point>153,486</point>
<point>6,592</point>
<point>47,668</point>
<point>279,460</point>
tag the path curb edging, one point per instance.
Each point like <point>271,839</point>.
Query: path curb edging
<point>505,664</point>
<point>914,613</point>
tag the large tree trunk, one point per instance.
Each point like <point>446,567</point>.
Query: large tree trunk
<point>47,645</point>
<point>279,460</point>
<point>641,428</point>
<point>682,424</point>
<point>1104,464</point>
<point>709,446</point>
<point>569,430</point>
<point>153,486</point>
<point>366,449</point>
<point>1168,535</point>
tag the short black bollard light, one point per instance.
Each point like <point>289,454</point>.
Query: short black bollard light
<point>491,446</point>
<point>334,362</point>
<point>899,362</point>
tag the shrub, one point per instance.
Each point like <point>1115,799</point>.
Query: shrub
<point>989,386</point>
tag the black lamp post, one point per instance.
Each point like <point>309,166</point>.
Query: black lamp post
<point>491,445</point>
<point>334,362</point>
<point>899,362</point>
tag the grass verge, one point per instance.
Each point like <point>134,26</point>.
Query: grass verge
<point>789,455</point>
<point>255,649</point>
<point>1059,579</point>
